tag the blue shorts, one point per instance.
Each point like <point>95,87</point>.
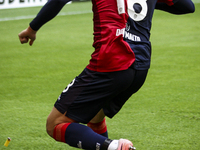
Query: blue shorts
<point>91,91</point>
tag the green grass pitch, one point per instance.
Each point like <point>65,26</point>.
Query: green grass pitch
<point>164,114</point>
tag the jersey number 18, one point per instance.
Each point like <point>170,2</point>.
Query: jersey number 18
<point>137,9</point>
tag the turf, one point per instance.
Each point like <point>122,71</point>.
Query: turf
<point>164,114</point>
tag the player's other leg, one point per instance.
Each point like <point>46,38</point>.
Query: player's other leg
<point>98,124</point>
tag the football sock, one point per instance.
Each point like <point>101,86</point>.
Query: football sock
<point>99,128</point>
<point>79,136</point>
<point>59,132</point>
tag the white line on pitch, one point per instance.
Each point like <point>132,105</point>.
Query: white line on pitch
<point>32,16</point>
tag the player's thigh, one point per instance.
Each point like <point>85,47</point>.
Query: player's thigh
<point>97,90</point>
<point>99,117</point>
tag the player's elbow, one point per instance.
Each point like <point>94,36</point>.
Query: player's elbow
<point>190,9</point>
<point>185,7</point>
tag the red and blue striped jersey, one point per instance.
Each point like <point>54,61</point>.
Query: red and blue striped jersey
<point>122,33</point>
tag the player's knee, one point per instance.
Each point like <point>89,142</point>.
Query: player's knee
<point>49,128</point>
<point>49,132</point>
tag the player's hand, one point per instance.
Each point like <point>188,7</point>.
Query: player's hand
<point>27,35</point>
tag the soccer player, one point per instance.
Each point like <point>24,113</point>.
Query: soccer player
<point>117,69</point>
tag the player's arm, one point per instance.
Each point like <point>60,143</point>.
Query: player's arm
<point>176,6</point>
<point>48,12</point>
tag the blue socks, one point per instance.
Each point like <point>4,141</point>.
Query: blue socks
<point>81,136</point>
